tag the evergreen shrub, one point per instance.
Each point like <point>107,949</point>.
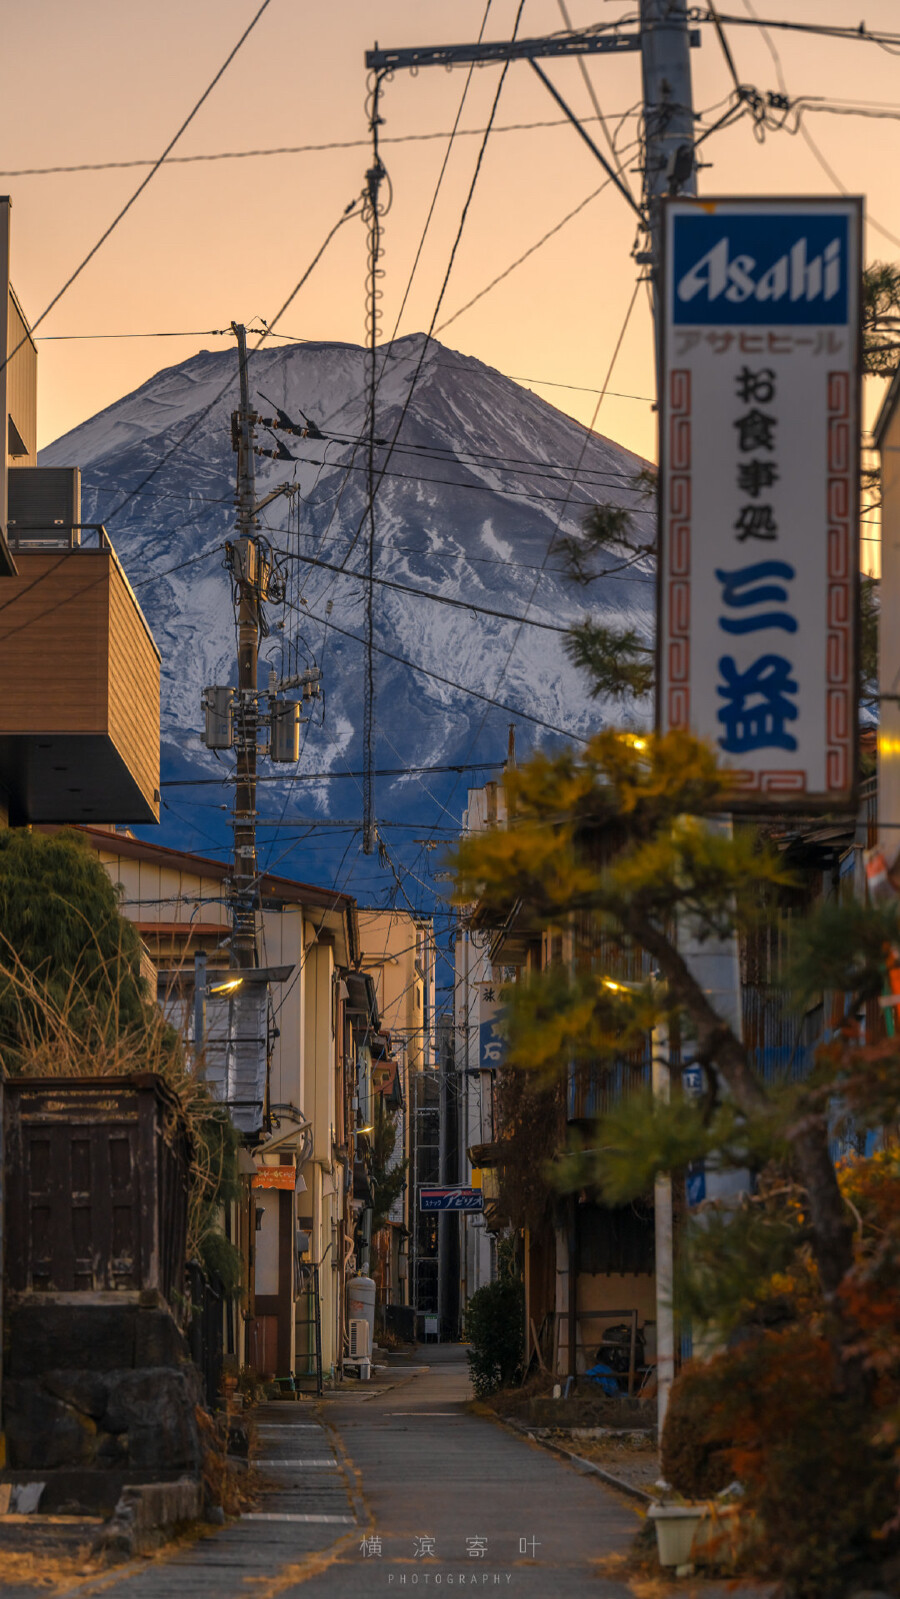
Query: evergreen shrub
<point>820,1492</point>
<point>495,1322</point>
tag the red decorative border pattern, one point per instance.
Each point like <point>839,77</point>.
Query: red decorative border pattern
<point>839,650</point>
<point>678,576</point>
<point>776,782</point>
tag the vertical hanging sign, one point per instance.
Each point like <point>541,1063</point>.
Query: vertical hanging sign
<point>759,492</point>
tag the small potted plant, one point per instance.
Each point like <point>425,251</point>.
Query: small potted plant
<point>695,1531</point>
<point>677,1522</point>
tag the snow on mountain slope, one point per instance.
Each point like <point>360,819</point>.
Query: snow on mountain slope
<point>483,476</point>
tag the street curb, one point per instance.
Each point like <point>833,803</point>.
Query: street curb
<point>587,1466</point>
<point>349,1472</point>
<point>608,1477</point>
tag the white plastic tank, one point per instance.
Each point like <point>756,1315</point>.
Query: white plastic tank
<point>361,1304</point>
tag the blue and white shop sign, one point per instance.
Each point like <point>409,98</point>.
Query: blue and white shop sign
<point>759,492</point>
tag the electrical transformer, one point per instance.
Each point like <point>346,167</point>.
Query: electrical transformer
<point>284,742</point>
<point>218,733</point>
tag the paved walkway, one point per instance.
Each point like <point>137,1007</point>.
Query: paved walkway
<point>454,1500</point>
<point>402,1491</point>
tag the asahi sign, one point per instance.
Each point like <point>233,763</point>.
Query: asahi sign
<point>759,492</point>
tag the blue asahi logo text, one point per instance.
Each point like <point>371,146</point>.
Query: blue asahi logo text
<point>797,276</point>
<point>758,268</point>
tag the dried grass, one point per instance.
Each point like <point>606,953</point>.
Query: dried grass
<point>80,1031</point>
<point>233,1485</point>
<point>47,1572</point>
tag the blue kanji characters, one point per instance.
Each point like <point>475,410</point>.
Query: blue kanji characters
<point>758,704</point>
<point>760,700</point>
<point>738,592</point>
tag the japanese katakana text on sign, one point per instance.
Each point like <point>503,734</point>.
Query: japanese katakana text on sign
<point>759,491</point>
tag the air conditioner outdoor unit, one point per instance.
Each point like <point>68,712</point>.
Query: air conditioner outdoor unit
<point>359,1340</point>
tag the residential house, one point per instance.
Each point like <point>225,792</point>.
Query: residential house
<point>399,956</point>
<point>79,714</point>
<point>295,1224</point>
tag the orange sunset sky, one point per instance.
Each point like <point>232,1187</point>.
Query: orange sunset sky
<point>111,80</point>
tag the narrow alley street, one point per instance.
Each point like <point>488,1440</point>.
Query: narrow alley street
<point>400,1488</point>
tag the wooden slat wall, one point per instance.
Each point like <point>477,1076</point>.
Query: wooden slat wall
<point>133,686</point>
<point>54,643</point>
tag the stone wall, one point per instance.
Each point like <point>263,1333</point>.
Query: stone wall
<point>99,1387</point>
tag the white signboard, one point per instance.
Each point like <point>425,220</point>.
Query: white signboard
<point>759,492</point>
<point>490,1026</point>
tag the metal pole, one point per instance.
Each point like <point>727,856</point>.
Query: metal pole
<point>244,891</point>
<point>572,1294</point>
<point>662,1217</point>
<point>199,1003</point>
<point>464,1119</point>
<point>669,167</point>
<point>443,1066</point>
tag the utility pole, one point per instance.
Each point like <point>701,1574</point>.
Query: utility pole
<point>669,167</point>
<point>669,162</point>
<point>247,569</point>
<point>234,719</point>
<point>664,42</point>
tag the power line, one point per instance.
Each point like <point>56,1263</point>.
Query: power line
<point>299,338</point>
<point>565,732</point>
<point>588,83</point>
<point>444,482</point>
<point>405,588</point>
<point>167,456</point>
<point>187,333</point>
<point>860,33</point>
<point>525,255</point>
<point>316,777</point>
<point>583,388</point>
<point>447,455</point>
<point>615,355</point>
<point>373,486</point>
<point>804,132</point>
<point>192,561</point>
<point>287,149</point>
<point>567,499</point>
<point>143,184</point>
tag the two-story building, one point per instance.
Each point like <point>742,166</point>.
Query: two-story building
<point>79,713</point>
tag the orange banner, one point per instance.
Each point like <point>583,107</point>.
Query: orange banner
<point>275,1177</point>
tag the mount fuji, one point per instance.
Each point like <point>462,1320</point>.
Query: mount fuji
<point>483,478</point>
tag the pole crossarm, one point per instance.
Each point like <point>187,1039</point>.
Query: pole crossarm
<point>450,55</point>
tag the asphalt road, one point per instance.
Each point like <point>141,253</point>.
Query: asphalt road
<point>400,1490</point>
<point>454,1501</point>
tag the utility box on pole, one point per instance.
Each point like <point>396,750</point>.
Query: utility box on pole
<point>284,731</point>
<point>218,704</point>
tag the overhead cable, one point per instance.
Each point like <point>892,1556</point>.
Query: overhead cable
<point>462,688</point>
<point>287,149</point>
<point>524,256</point>
<point>764,27</point>
<point>201,417</point>
<point>142,185</point>
<point>424,594</point>
<point>316,777</point>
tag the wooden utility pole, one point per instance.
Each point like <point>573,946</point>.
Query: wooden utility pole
<point>247,570</point>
